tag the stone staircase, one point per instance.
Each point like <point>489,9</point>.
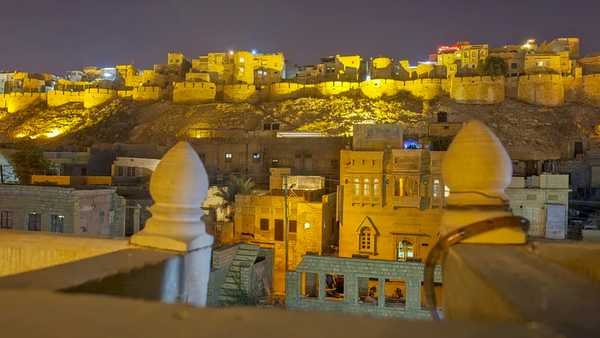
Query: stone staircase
<point>234,289</point>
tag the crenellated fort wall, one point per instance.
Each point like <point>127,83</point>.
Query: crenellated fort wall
<point>540,89</point>
<point>194,92</point>
<point>477,89</point>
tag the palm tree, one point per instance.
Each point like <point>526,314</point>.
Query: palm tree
<point>235,185</point>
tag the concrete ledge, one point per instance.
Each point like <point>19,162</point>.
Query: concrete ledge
<point>93,316</point>
<point>520,284</point>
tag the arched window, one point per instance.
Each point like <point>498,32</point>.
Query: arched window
<point>367,187</point>
<point>364,239</point>
<point>405,251</point>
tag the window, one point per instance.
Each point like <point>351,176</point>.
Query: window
<point>310,284</point>
<point>367,291</point>
<point>130,171</point>
<point>540,63</point>
<point>553,197</point>
<point>356,187</point>
<point>6,220</point>
<point>279,230</point>
<point>34,222</point>
<point>57,223</point>
<point>334,287</point>
<point>101,216</point>
<point>376,187</point>
<point>367,187</point>
<point>436,188</point>
<point>293,226</point>
<point>256,157</point>
<point>531,197</point>
<point>274,163</point>
<point>405,251</point>
<point>264,224</point>
<point>513,65</point>
<point>364,239</point>
<point>228,157</point>
<point>395,293</point>
<point>120,171</point>
<point>442,117</point>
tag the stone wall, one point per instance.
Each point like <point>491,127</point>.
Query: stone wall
<point>26,251</point>
<point>289,90</point>
<point>94,97</point>
<point>375,89</point>
<point>541,89</point>
<point>425,89</point>
<point>333,88</point>
<point>591,88</point>
<point>477,89</point>
<point>236,93</point>
<point>149,93</point>
<point>126,94</point>
<point>18,101</point>
<point>194,92</point>
<point>573,88</point>
<point>58,98</point>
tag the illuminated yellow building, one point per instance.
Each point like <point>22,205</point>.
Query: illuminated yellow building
<point>241,67</point>
<point>542,63</point>
<point>381,67</point>
<point>391,197</point>
<point>348,67</point>
<point>472,55</point>
<point>260,219</point>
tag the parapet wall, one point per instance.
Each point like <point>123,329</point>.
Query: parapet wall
<point>150,93</point>
<point>19,101</point>
<point>425,89</point>
<point>94,97</point>
<point>290,90</point>
<point>58,98</point>
<point>591,88</point>
<point>542,89</point>
<point>194,92</point>
<point>477,89</point>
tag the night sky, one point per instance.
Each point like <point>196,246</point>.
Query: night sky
<point>57,35</point>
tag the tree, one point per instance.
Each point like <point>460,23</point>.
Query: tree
<point>493,66</point>
<point>235,185</point>
<point>29,160</point>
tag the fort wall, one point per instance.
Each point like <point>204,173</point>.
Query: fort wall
<point>425,89</point>
<point>149,93</point>
<point>125,94</point>
<point>94,97</point>
<point>375,89</point>
<point>19,101</point>
<point>333,88</point>
<point>477,89</point>
<point>289,90</point>
<point>194,92</point>
<point>573,88</point>
<point>591,88</point>
<point>237,93</point>
<point>58,98</point>
<point>542,89</point>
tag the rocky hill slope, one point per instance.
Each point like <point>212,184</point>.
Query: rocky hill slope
<point>520,126</point>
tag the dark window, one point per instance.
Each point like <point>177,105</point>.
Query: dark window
<point>293,226</point>
<point>120,171</point>
<point>130,171</point>
<point>264,224</point>
<point>267,126</point>
<point>513,65</point>
<point>57,223</point>
<point>6,220</point>
<point>275,126</point>
<point>279,230</point>
<point>34,222</point>
<point>442,117</point>
<point>578,148</point>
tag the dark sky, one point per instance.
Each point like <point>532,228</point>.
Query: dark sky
<point>56,35</point>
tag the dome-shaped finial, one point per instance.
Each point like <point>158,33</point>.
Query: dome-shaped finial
<point>178,187</point>
<point>476,167</point>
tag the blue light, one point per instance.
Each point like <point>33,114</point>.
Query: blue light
<point>411,144</point>
<point>254,52</point>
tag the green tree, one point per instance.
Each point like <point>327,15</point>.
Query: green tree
<point>29,160</point>
<point>493,66</point>
<point>235,185</point>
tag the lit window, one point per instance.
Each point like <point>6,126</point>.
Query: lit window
<point>540,63</point>
<point>446,191</point>
<point>405,251</point>
<point>256,156</point>
<point>57,223</point>
<point>376,187</point>
<point>356,187</point>
<point>367,187</point>
<point>242,60</point>
<point>228,156</point>
<point>436,188</point>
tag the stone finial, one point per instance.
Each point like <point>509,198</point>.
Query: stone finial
<point>178,187</point>
<point>477,169</point>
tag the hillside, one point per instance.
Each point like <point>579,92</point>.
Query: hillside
<point>522,127</point>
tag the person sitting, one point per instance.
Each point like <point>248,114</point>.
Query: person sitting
<point>371,298</point>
